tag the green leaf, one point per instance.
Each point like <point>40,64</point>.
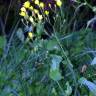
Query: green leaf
<point>68,91</point>
<point>20,34</point>
<point>21,54</point>
<point>91,86</point>
<point>52,44</point>
<point>2,42</point>
<point>56,61</point>
<point>40,28</point>
<point>54,71</point>
<point>54,91</point>
<point>55,75</point>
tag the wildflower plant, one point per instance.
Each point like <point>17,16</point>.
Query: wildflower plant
<point>37,11</point>
<point>57,66</point>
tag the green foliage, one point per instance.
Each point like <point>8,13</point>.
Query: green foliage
<point>91,86</point>
<point>58,66</point>
<point>54,70</point>
<point>2,44</point>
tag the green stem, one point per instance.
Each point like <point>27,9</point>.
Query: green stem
<point>60,88</point>
<point>69,63</point>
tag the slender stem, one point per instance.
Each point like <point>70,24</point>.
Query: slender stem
<point>69,63</point>
<point>6,18</point>
<point>60,88</point>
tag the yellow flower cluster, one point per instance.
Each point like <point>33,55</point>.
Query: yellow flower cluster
<point>27,5</point>
<point>37,13</point>
<point>23,12</point>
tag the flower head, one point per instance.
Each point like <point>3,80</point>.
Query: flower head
<point>41,4</point>
<point>31,19</point>
<point>23,9</point>
<point>58,2</point>
<point>40,17</point>
<point>39,8</point>
<point>30,35</point>
<point>31,7</point>
<point>37,2</point>
<point>27,4</point>
<point>46,12</point>
<point>22,13</point>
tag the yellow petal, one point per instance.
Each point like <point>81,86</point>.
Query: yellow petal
<point>49,5</point>
<point>31,19</point>
<point>30,35</point>
<point>40,17</point>
<point>23,9</point>
<point>22,13</point>
<point>59,3</point>
<point>46,12</point>
<point>31,7</point>
<point>27,4</point>
<point>36,11</point>
<point>37,2</point>
<point>41,4</point>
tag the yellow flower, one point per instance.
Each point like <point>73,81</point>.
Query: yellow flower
<point>31,19</point>
<point>41,4</point>
<point>31,7</point>
<point>27,4</point>
<point>22,13</point>
<point>40,17</point>
<point>59,3</point>
<point>37,2</point>
<point>23,9</point>
<point>49,5</point>
<point>30,35</point>
<point>36,11</point>
<point>46,12</point>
